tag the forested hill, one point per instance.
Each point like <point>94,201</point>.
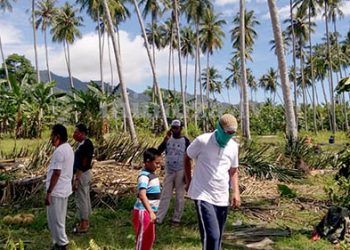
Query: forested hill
<point>62,83</point>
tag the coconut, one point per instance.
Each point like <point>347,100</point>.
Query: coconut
<point>17,219</point>
<point>8,220</point>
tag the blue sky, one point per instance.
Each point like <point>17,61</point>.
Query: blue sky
<point>17,37</point>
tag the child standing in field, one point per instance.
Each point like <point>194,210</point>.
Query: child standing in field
<point>146,206</point>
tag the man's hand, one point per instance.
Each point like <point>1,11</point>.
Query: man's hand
<point>235,201</point>
<point>48,199</point>
<point>153,217</point>
<point>75,184</point>
<point>187,184</point>
<point>168,134</point>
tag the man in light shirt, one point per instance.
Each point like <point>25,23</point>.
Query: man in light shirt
<point>59,186</point>
<point>216,172</point>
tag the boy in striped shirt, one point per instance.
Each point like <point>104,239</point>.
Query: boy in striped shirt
<point>146,206</point>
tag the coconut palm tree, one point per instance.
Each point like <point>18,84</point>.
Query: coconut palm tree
<point>286,43</point>
<point>292,132</point>
<point>5,5</point>
<point>326,4</point>
<point>35,42</point>
<point>250,22</point>
<point>244,85</point>
<point>214,81</point>
<point>268,82</point>
<point>65,29</point>
<point>45,13</point>
<point>301,26</point>
<point>311,6</point>
<point>211,35</point>
<point>155,80</point>
<point>178,35</point>
<point>187,47</point>
<point>194,10</point>
<point>128,114</point>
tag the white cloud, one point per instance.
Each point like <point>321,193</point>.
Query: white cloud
<point>284,12</point>
<point>9,33</point>
<point>135,63</point>
<point>346,8</point>
<point>225,2</point>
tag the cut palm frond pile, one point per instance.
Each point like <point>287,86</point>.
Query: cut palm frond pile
<point>122,149</point>
<point>260,162</point>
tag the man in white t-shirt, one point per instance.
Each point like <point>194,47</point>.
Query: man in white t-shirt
<point>216,172</point>
<point>59,186</point>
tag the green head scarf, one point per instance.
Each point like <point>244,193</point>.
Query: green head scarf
<point>221,137</point>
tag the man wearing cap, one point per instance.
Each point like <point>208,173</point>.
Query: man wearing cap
<point>215,174</point>
<point>174,145</point>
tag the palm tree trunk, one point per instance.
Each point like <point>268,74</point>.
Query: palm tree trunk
<point>330,72</point>
<point>312,76</point>
<point>120,73</point>
<point>180,66</point>
<point>294,63</point>
<point>152,66</point>
<point>100,51</point>
<point>47,57</point>
<point>292,132</point>
<point>200,84</point>
<point>110,60</point>
<point>5,65</point>
<point>303,86</point>
<point>245,118</point>
<point>35,42</point>
<point>207,83</point>
<point>326,100</point>
<point>196,75</point>
<point>67,56</point>
<point>169,62</point>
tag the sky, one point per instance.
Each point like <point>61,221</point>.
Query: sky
<point>17,37</point>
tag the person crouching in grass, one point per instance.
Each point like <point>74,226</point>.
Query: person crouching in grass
<point>148,196</point>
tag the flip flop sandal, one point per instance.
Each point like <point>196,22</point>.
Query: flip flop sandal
<point>78,230</point>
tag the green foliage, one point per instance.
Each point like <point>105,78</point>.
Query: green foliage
<point>5,177</point>
<point>259,161</point>
<point>285,191</point>
<point>339,192</point>
<point>192,130</point>
<point>300,149</point>
<point>19,66</point>
<point>343,85</point>
<point>268,119</point>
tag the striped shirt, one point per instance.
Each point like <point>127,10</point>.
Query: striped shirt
<point>150,182</point>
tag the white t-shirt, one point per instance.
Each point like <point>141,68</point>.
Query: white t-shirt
<point>63,159</point>
<point>210,181</point>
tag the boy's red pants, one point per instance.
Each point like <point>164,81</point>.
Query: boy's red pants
<point>144,229</point>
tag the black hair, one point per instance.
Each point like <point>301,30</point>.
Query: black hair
<point>82,128</point>
<point>150,154</point>
<point>61,131</point>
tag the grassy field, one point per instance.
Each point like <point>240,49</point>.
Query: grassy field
<point>113,229</point>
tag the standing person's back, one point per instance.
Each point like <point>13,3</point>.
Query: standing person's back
<point>59,186</point>
<point>174,145</point>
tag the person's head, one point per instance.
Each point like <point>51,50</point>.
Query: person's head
<point>151,159</point>
<point>58,135</point>
<point>80,132</point>
<point>225,129</point>
<point>176,128</point>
